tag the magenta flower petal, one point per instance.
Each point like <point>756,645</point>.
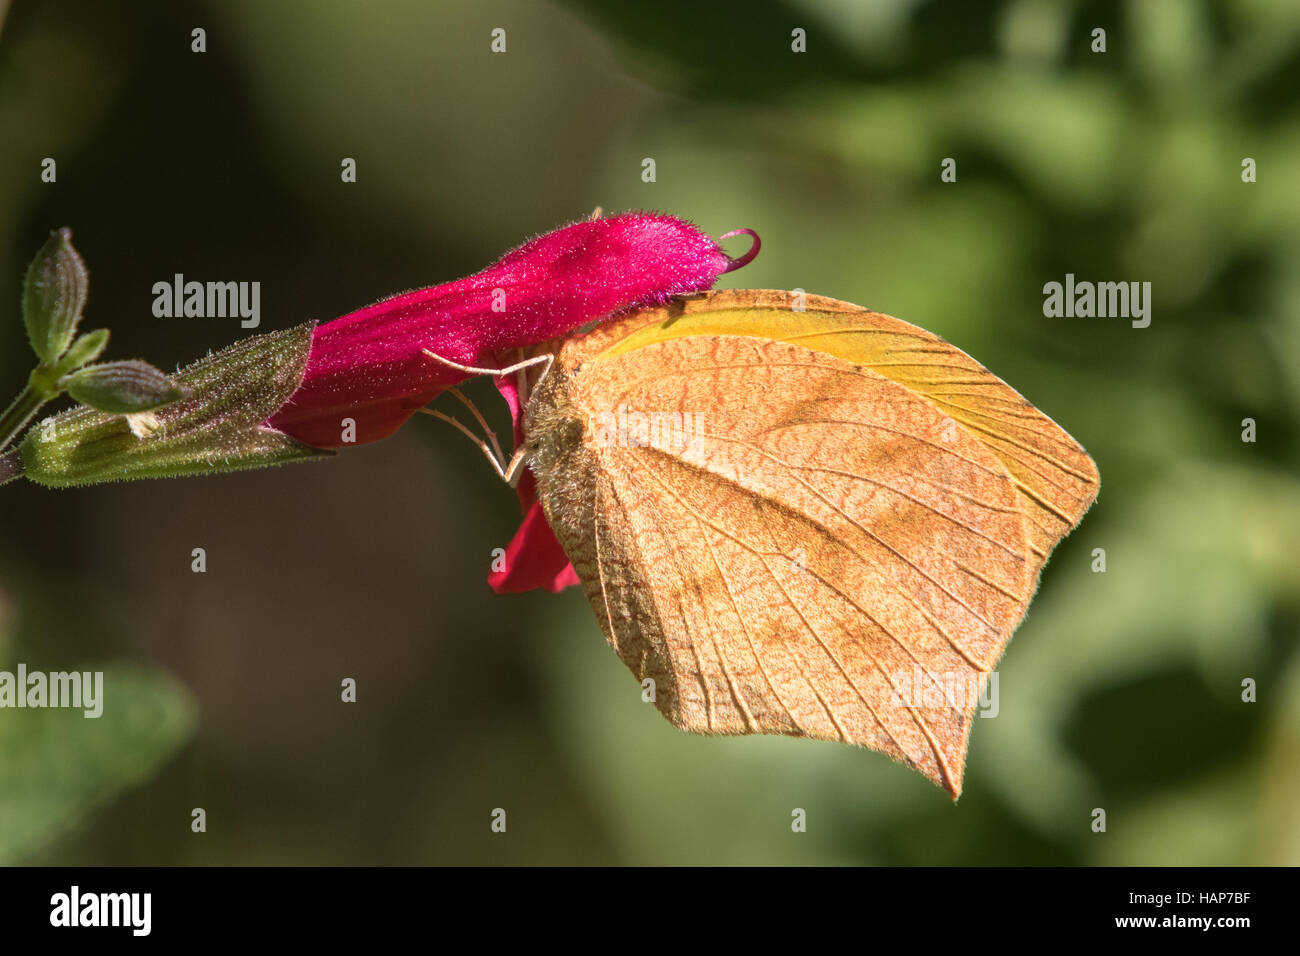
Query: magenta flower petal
<point>369,366</point>
<point>534,559</point>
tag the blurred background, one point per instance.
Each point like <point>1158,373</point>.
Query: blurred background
<point>1122,690</point>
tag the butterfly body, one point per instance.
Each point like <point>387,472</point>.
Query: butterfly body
<point>779,534</point>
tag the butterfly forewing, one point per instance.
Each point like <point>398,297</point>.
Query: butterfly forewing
<point>1055,480</point>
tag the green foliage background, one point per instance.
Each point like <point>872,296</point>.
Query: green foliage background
<point>1122,690</point>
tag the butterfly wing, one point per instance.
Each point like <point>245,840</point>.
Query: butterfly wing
<point>823,555</point>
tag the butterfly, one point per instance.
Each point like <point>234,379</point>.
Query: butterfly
<point>797,516</point>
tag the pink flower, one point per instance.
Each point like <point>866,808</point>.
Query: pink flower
<point>370,366</point>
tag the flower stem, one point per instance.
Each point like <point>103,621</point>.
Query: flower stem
<point>17,416</point>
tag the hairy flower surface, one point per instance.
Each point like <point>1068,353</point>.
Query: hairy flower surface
<point>370,367</point>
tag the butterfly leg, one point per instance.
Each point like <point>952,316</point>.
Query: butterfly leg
<point>511,474</point>
<point>478,416</point>
<point>507,472</point>
<point>482,445</point>
<point>546,361</point>
<point>494,372</point>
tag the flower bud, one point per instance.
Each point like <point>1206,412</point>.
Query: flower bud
<point>217,427</point>
<point>54,294</point>
<point>122,387</point>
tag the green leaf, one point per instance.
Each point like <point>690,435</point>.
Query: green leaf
<point>57,765</point>
<point>123,387</point>
<point>217,428</point>
<point>54,295</point>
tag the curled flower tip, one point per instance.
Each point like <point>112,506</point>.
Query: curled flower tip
<point>748,257</point>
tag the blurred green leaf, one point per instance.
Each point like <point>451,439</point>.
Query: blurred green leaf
<point>57,766</point>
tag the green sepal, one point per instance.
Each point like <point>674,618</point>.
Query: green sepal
<point>217,428</point>
<point>86,349</point>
